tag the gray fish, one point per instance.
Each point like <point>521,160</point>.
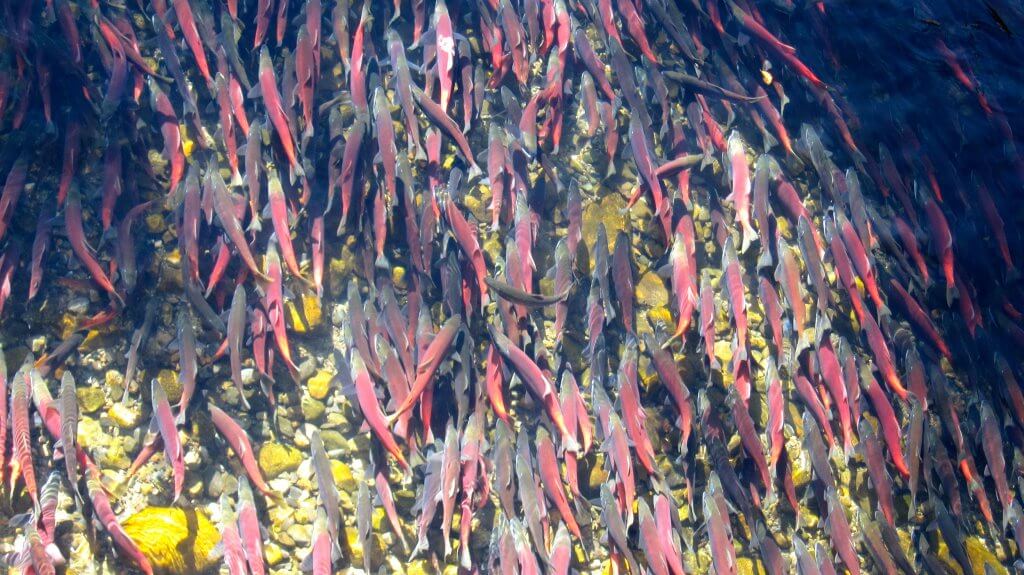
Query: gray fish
<point>235,334</point>
<point>69,427</point>
<point>364,524</point>
<point>187,362</point>
<point>616,528</point>
<point>326,488</point>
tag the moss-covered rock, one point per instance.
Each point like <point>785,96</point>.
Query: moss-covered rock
<point>176,541</point>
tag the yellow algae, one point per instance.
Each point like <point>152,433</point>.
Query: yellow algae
<point>304,316</point>
<point>320,384</point>
<point>273,554</point>
<point>176,541</point>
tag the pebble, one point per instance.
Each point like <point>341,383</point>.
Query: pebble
<point>122,415</point>
<point>91,399</point>
<point>312,409</point>
<point>651,291</point>
<point>320,384</point>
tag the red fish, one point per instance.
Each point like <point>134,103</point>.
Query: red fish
<point>76,237</point>
<point>886,419</point>
<point>164,421</point>
<point>741,187</point>
<point>236,437</point>
<point>275,111</point>
<point>445,51</point>
<point>249,529</point>
<point>273,303</point>
<point>371,409</point>
<point>21,454</point>
<point>537,382</point>
<point>942,246</point>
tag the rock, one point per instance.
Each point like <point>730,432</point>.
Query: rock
<point>611,211</point>
<point>90,399</point>
<point>275,459</point>
<point>343,476</point>
<point>319,385</point>
<point>333,440</point>
<point>155,223</point>
<point>304,314</point>
<point>123,416</point>
<point>398,275</point>
<point>418,567</point>
<point>272,553</point>
<point>169,380</point>
<point>174,540</point>
<point>651,291</point>
<point>90,434</point>
<point>312,409</point>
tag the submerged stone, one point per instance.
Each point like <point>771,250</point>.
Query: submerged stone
<point>176,541</point>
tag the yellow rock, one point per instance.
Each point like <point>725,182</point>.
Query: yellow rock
<point>611,211</point>
<point>122,415</point>
<point>273,554</point>
<point>155,223</point>
<point>320,384</point>
<point>651,291</point>
<point>418,567</point>
<point>169,380</point>
<point>981,554</point>
<point>343,477</point>
<point>723,351</point>
<point>173,257</point>
<point>176,541</point>
<point>276,459</point>
<point>306,318</point>
<point>398,277</point>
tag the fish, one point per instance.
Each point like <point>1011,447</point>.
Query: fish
<point>76,237</point>
<point>748,436</point>
<point>817,452</point>
<point>942,247</point>
<point>224,208</point>
<point>327,490</point>
<point>915,436</point>
<point>188,363</point>
<point>108,520</point>
<point>622,278</point>
<point>21,435</point>
<point>234,554</point>
<point>886,419</point>
<point>164,421</point>
<point>439,117</point>
<point>668,373</point>
<point>992,446</point>
<point>234,336</point>
<point>536,381</point>
<point>723,556</point>
<point>68,400</point>
<point>187,22</point>
<point>171,133</point>
<point>275,111</point>
<point>707,319</point>
<point>371,409</point>
<point>249,529</point>
<point>839,533</point>
<point>40,243</point>
<point>630,403</point>
<point>871,450</point>
<point>872,536</point>
<point>616,528</point>
<point>238,440</point>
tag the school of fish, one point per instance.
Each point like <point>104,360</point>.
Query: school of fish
<point>833,384</point>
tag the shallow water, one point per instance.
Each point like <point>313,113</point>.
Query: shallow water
<point>932,85</point>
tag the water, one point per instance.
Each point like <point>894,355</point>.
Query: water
<point>635,351</point>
